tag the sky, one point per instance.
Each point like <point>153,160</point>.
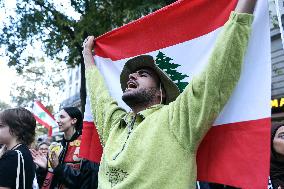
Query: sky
<point>8,75</point>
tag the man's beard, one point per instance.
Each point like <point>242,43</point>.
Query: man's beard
<point>141,97</point>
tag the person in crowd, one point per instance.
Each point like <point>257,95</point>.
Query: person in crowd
<point>17,132</point>
<point>43,148</point>
<point>277,156</point>
<point>65,169</point>
<point>42,151</point>
<point>155,145</point>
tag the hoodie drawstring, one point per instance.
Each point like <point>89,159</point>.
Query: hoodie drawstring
<point>20,159</point>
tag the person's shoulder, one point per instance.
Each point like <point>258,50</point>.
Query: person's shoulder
<point>23,149</point>
<point>9,156</point>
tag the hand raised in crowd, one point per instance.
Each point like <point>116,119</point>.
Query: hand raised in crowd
<point>88,46</point>
<point>39,158</point>
<point>54,161</point>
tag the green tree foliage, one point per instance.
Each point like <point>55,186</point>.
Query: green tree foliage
<point>42,20</point>
<point>165,64</point>
<point>38,82</point>
<point>4,105</point>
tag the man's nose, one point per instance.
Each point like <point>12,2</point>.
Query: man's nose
<point>133,75</point>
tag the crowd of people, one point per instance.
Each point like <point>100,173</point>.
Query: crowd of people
<point>47,166</point>
<point>139,146</point>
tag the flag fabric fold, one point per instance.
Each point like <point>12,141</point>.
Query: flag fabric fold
<point>236,150</point>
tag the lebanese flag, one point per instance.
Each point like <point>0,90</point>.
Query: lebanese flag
<point>236,150</point>
<point>43,116</point>
<point>90,147</point>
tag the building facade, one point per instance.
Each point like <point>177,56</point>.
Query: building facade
<point>72,88</point>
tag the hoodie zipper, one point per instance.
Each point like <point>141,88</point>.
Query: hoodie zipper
<point>129,131</point>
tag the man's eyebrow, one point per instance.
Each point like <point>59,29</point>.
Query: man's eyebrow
<point>282,132</point>
<point>144,71</point>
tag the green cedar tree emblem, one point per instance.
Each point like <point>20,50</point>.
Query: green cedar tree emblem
<point>165,64</point>
<point>41,115</point>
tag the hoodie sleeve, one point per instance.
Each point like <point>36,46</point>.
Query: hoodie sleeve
<point>196,109</point>
<point>105,109</point>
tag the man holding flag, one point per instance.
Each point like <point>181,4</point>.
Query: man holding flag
<point>155,145</point>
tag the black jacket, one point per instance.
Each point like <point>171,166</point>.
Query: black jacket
<point>84,178</point>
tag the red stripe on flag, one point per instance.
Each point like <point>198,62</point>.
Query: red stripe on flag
<point>164,28</point>
<point>86,141</point>
<point>46,125</point>
<point>234,149</point>
<point>44,109</point>
<point>90,147</point>
<point>49,131</point>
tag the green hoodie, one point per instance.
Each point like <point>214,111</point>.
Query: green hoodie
<point>156,149</point>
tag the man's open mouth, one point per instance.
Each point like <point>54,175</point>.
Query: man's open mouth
<point>131,85</point>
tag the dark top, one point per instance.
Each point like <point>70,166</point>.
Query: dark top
<point>9,164</point>
<point>40,175</point>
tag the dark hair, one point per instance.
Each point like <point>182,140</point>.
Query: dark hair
<point>21,123</point>
<point>74,112</point>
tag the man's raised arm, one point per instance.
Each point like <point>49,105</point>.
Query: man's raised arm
<point>104,108</point>
<point>207,93</point>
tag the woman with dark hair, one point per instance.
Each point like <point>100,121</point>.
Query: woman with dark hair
<point>277,156</point>
<point>17,132</point>
<point>65,168</point>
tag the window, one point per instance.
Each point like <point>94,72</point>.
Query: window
<point>77,75</point>
<point>70,78</point>
<point>77,88</point>
<point>70,90</point>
